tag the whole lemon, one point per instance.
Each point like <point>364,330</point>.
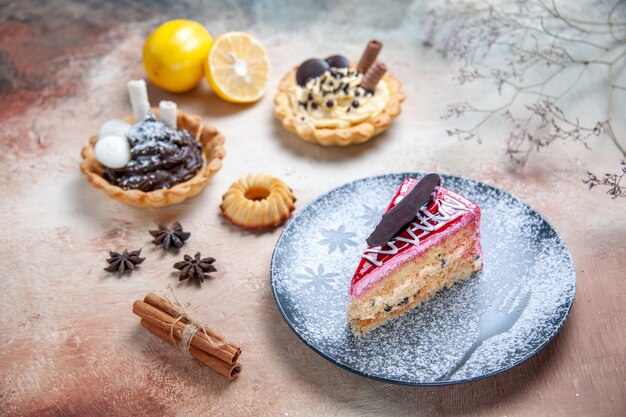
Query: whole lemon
<point>173,55</point>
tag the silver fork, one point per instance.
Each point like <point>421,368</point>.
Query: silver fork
<point>498,318</point>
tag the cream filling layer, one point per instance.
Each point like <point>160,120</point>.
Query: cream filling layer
<point>370,307</point>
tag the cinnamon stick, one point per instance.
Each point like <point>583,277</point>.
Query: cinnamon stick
<point>162,304</point>
<point>164,320</point>
<point>230,371</point>
<point>167,307</point>
<point>221,350</point>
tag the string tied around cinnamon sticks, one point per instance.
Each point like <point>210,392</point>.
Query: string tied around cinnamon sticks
<point>192,325</point>
<point>170,320</point>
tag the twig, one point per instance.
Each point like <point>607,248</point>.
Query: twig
<point>510,41</point>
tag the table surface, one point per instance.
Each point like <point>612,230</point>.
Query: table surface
<point>69,344</point>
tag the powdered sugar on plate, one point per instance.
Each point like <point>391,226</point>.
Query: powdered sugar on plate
<point>317,254</point>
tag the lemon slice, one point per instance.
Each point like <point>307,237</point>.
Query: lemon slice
<point>237,67</point>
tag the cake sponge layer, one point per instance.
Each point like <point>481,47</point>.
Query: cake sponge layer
<point>416,281</point>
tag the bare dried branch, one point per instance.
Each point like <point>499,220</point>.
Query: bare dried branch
<point>522,47</point>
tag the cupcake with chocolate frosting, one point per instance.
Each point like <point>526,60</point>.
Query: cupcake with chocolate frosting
<point>155,158</point>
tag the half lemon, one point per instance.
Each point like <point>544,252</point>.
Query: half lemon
<point>237,67</point>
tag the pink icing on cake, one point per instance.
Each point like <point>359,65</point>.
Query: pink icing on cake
<point>446,214</point>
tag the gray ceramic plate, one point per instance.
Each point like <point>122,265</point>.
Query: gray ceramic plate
<point>480,327</point>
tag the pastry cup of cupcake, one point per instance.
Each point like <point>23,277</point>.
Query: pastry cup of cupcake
<point>336,102</point>
<point>154,158</point>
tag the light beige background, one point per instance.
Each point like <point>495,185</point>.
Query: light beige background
<point>70,345</point>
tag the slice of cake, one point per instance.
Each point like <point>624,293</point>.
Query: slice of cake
<point>439,246</point>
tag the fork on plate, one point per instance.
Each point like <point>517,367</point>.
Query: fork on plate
<point>498,318</point>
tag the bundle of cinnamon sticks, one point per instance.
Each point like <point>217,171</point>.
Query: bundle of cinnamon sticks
<point>163,319</point>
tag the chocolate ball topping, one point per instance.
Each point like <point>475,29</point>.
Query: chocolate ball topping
<point>338,61</point>
<point>310,69</point>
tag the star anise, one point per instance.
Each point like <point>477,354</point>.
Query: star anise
<point>123,262</point>
<point>195,268</point>
<point>173,237</point>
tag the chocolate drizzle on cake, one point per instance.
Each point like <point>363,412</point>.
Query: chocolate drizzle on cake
<point>404,212</point>
<point>161,157</point>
